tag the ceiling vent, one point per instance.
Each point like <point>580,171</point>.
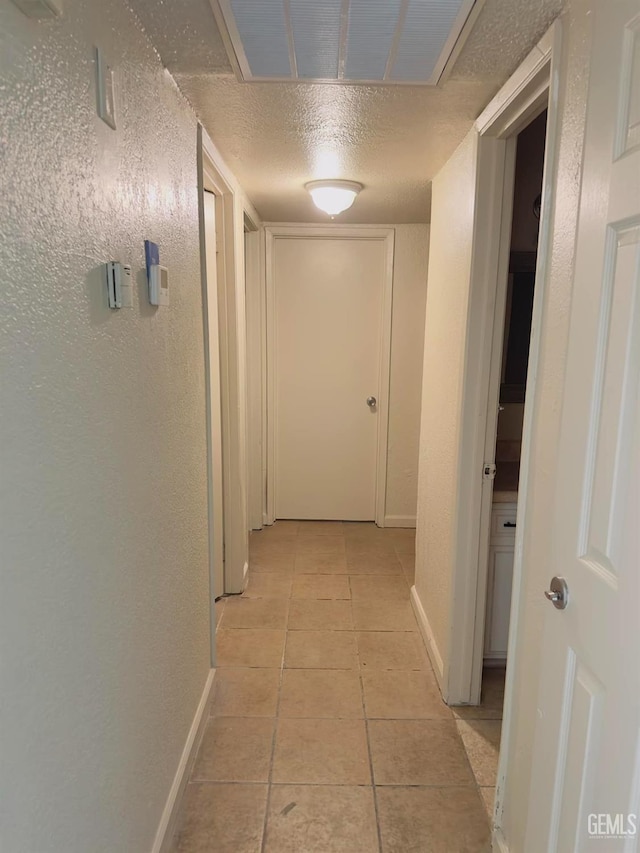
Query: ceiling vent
<point>344,41</point>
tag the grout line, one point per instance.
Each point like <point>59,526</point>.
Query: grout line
<point>366,729</point>
<point>273,741</point>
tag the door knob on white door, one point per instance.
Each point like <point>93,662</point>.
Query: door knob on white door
<point>558,595</point>
<point>372,402</point>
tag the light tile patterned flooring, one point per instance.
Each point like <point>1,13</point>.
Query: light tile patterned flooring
<point>327,731</point>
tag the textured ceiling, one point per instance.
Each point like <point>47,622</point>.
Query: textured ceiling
<point>393,139</point>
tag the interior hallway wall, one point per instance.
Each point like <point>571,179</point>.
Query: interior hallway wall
<point>452,219</point>
<point>105,618</point>
<point>407,346</point>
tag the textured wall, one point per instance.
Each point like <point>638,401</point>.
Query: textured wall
<point>407,344</point>
<point>444,346</point>
<point>103,454</point>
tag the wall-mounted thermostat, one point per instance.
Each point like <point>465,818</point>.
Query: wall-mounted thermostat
<point>119,286</point>
<point>158,285</point>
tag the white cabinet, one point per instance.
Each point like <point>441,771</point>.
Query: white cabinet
<point>499,580</point>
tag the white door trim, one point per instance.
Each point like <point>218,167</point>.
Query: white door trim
<point>386,235</point>
<point>231,208</point>
<point>255,345</point>
<point>533,86</point>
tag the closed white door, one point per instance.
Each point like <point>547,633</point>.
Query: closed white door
<point>586,781</point>
<point>328,301</point>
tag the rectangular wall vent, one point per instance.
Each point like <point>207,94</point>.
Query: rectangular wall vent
<point>350,41</point>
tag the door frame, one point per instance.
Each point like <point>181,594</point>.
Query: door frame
<point>386,235</point>
<point>531,88</point>
<point>255,312</point>
<point>231,208</point>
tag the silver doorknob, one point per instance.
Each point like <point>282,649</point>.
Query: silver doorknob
<point>372,402</point>
<point>558,595</point>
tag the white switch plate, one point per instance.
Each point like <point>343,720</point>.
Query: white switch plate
<point>40,10</point>
<point>105,90</point>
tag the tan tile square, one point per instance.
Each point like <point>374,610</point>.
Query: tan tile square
<point>374,544</point>
<point>361,529</point>
<point>320,616</point>
<point>255,613</point>
<point>492,700</point>
<point>268,585</point>
<point>390,650</point>
<point>320,545</point>
<point>272,563</point>
<point>272,546</point>
<point>488,799</point>
<point>383,616</point>
<point>323,818</point>
<point>438,820</point>
<point>224,818</point>
<point>317,587</point>
<point>321,564</point>
<point>405,540</point>
<point>403,695</point>
<point>245,692</point>
<point>321,693</point>
<point>374,564</point>
<point>321,650</point>
<point>418,752</point>
<point>408,563</point>
<point>373,587</point>
<point>332,752</point>
<point>235,749</point>
<point>320,528</point>
<point>481,740</point>
<point>251,647</point>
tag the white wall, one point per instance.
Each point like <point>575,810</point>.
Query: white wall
<point>407,345</point>
<point>105,632</point>
<point>452,221</point>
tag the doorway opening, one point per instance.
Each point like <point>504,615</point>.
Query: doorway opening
<point>513,336</point>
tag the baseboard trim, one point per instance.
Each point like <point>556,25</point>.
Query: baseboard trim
<point>400,521</point>
<point>498,842</point>
<point>427,634</point>
<point>166,830</point>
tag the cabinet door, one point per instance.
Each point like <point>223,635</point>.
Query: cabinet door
<point>499,600</point>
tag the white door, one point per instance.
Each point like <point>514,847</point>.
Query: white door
<point>328,300</point>
<point>214,415</point>
<point>587,748</point>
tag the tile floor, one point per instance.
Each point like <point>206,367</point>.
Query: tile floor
<point>327,731</point>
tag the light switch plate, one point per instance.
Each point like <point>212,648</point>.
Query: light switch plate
<point>40,10</point>
<point>105,87</point>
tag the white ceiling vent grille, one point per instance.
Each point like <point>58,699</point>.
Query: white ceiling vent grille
<point>363,41</point>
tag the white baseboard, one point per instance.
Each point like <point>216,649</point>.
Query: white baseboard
<point>166,830</point>
<point>400,521</point>
<point>498,842</point>
<point>427,634</point>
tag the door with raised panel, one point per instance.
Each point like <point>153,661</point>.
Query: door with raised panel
<point>587,745</point>
<point>328,308</point>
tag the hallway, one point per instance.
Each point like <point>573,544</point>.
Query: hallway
<point>327,730</point>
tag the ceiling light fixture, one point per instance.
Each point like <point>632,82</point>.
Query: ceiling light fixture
<point>333,197</point>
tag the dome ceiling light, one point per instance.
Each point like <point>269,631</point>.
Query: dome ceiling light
<point>333,197</point>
